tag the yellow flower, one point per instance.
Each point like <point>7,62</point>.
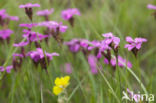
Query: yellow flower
<point>57,90</point>
<point>60,84</point>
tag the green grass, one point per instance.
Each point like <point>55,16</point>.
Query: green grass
<point>122,17</point>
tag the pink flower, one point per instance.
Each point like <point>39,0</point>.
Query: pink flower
<point>134,44</point>
<point>73,45</point>
<point>69,13</point>
<point>29,5</point>
<point>53,25</point>
<point>7,69</point>
<point>39,55</point>
<point>111,39</point>
<point>33,36</point>
<point>4,34</point>
<point>150,6</point>
<point>45,12</point>
<point>94,44</point>
<point>121,62</point>
<point>92,60</point>
<point>4,15</point>
<point>21,44</point>
<point>28,25</point>
<point>28,9</point>
<point>17,55</point>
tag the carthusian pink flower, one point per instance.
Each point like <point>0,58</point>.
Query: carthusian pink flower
<point>69,13</point>
<point>134,45</point>
<point>54,29</point>
<point>150,6</point>
<point>28,9</point>
<point>121,62</point>
<point>38,56</point>
<point>73,45</point>
<point>54,26</point>
<point>21,44</point>
<point>5,18</point>
<point>7,69</point>
<point>33,36</point>
<point>29,26</point>
<point>5,34</point>
<point>45,13</point>
<point>111,40</point>
<point>92,60</point>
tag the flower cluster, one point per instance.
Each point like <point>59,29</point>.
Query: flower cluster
<point>60,84</point>
<point>7,69</point>
<point>104,49</point>
<point>69,13</point>
<point>4,22</point>
<point>134,45</point>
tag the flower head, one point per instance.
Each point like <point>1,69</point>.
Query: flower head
<point>60,84</point>
<point>53,25</point>
<point>136,43</point>
<point>33,36</point>
<point>92,60</point>
<point>45,12</point>
<point>73,45</point>
<point>7,69</point>
<point>111,40</point>
<point>4,34</point>
<point>28,9</point>
<point>69,13</point>
<point>150,6</point>
<point>29,5</point>
<point>21,44</point>
<point>39,55</point>
<point>28,25</point>
<point>121,62</point>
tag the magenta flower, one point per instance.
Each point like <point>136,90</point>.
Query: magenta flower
<point>29,5</point>
<point>28,9</point>
<point>92,60</point>
<point>29,26</point>
<point>150,6</point>
<point>121,62</point>
<point>73,45</point>
<point>53,25</point>
<point>4,15</point>
<point>21,44</point>
<point>45,12</point>
<point>134,45</point>
<point>94,44</point>
<point>33,36</point>
<point>39,55</point>
<point>111,40</point>
<point>5,34</point>
<point>69,13</point>
<point>7,69</point>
